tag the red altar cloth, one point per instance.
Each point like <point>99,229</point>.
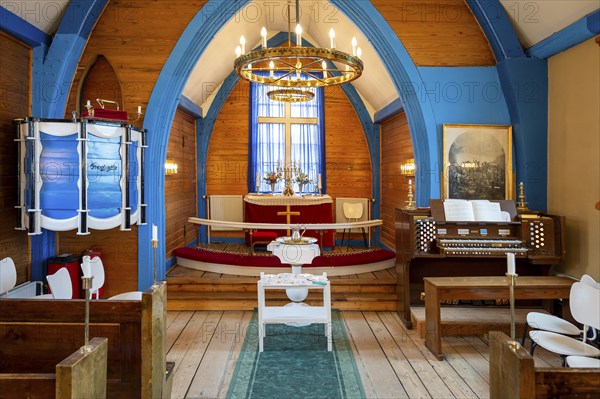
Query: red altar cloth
<point>313,213</point>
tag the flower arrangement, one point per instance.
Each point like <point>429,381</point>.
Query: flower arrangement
<point>272,177</point>
<point>302,178</point>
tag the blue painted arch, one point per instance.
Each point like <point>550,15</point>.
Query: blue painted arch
<point>195,39</point>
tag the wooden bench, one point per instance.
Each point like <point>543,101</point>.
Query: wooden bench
<point>513,375</point>
<point>36,335</point>
<point>490,287</point>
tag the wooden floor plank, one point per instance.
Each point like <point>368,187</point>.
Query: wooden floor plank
<point>465,346</point>
<point>454,382</point>
<point>380,372</point>
<point>464,369</point>
<point>212,370</point>
<point>170,317</point>
<point>235,354</point>
<point>404,371</point>
<point>176,326</point>
<point>431,380</point>
<point>192,352</point>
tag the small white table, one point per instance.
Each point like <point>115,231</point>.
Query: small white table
<point>296,313</point>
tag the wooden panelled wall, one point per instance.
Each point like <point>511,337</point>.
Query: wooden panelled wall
<point>437,32</point>
<point>15,67</point>
<point>180,189</point>
<point>349,172</point>
<point>136,37</point>
<point>396,147</point>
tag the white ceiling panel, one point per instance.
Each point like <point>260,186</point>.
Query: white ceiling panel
<point>44,15</point>
<point>534,21</point>
<point>317,18</point>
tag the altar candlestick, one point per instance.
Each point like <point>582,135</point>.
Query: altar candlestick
<point>319,184</point>
<point>510,264</point>
<point>154,233</point>
<point>139,109</point>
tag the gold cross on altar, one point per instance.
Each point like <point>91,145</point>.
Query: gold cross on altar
<point>288,213</point>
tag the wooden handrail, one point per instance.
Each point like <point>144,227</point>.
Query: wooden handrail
<point>286,226</point>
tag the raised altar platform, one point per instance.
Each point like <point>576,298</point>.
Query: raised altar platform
<point>243,264</point>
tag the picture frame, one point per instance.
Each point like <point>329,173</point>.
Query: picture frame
<point>478,162</point>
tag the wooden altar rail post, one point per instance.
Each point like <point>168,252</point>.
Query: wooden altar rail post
<point>35,335</point>
<point>513,375</point>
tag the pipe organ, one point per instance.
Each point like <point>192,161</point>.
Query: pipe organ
<point>429,246</point>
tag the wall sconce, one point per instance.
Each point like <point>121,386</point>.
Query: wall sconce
<point>408,167</point>
<point>170,167</point>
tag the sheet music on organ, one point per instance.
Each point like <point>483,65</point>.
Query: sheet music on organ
<point>459,210</point>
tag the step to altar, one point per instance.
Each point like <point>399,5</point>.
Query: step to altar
<point>473,320</point>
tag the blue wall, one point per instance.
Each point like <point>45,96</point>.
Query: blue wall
<point>469,95</point>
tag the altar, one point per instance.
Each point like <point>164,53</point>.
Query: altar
<point>294,209</point>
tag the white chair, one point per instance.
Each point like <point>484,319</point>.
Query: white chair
<point>546,322</point>
<point>96,269</point>
<point>353,212</point>
<point>8,275</point>
<point>583,362</point>
<point>585,308</point>
<point>60,284</point>
<point>127,296</point>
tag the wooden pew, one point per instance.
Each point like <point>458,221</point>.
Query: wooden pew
<point>81,375</point>
<point>38,334</point>
<point>513,375</point>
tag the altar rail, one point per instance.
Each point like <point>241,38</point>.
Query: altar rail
<point>285,226</point>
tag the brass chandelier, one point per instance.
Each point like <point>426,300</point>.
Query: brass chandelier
<point>296,68</point>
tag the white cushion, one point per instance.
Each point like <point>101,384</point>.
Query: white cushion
<point>583,362</point>
<point>543,321</point>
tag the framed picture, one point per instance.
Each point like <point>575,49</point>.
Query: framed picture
<point>477,162</point>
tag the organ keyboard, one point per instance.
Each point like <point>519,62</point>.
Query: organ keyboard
<point>429,246</point>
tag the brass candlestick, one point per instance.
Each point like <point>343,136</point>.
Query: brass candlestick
<point>512,282</point>
<point>410,204</point>
<point>522,205</point>
<point>87,285</point>
<point>154,247</point>
<point>288,171</point>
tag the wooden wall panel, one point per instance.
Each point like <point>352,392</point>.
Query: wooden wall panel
<point>227,156</point>
<point>438,32</point>
<point>15,86</point>
<point>136,37</point>
<point>119,255</point>
<point>180,189</point>
<point>349,172</point>
<point>396,147</point>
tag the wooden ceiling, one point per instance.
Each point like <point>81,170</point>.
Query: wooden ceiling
<point>438,32</point>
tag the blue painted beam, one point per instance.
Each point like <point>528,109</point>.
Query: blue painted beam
<point>187,105</point>
<point>578,32</point>
<point>392,109</point>
<point>53,79</point>
<point>497,28</point>
<point>162,105</point>
<point>15,26</point>
<point>52,73</point>
<point>407,80</point>
<point>525,85</point>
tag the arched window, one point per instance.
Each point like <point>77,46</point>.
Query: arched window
<point>285,134</point>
